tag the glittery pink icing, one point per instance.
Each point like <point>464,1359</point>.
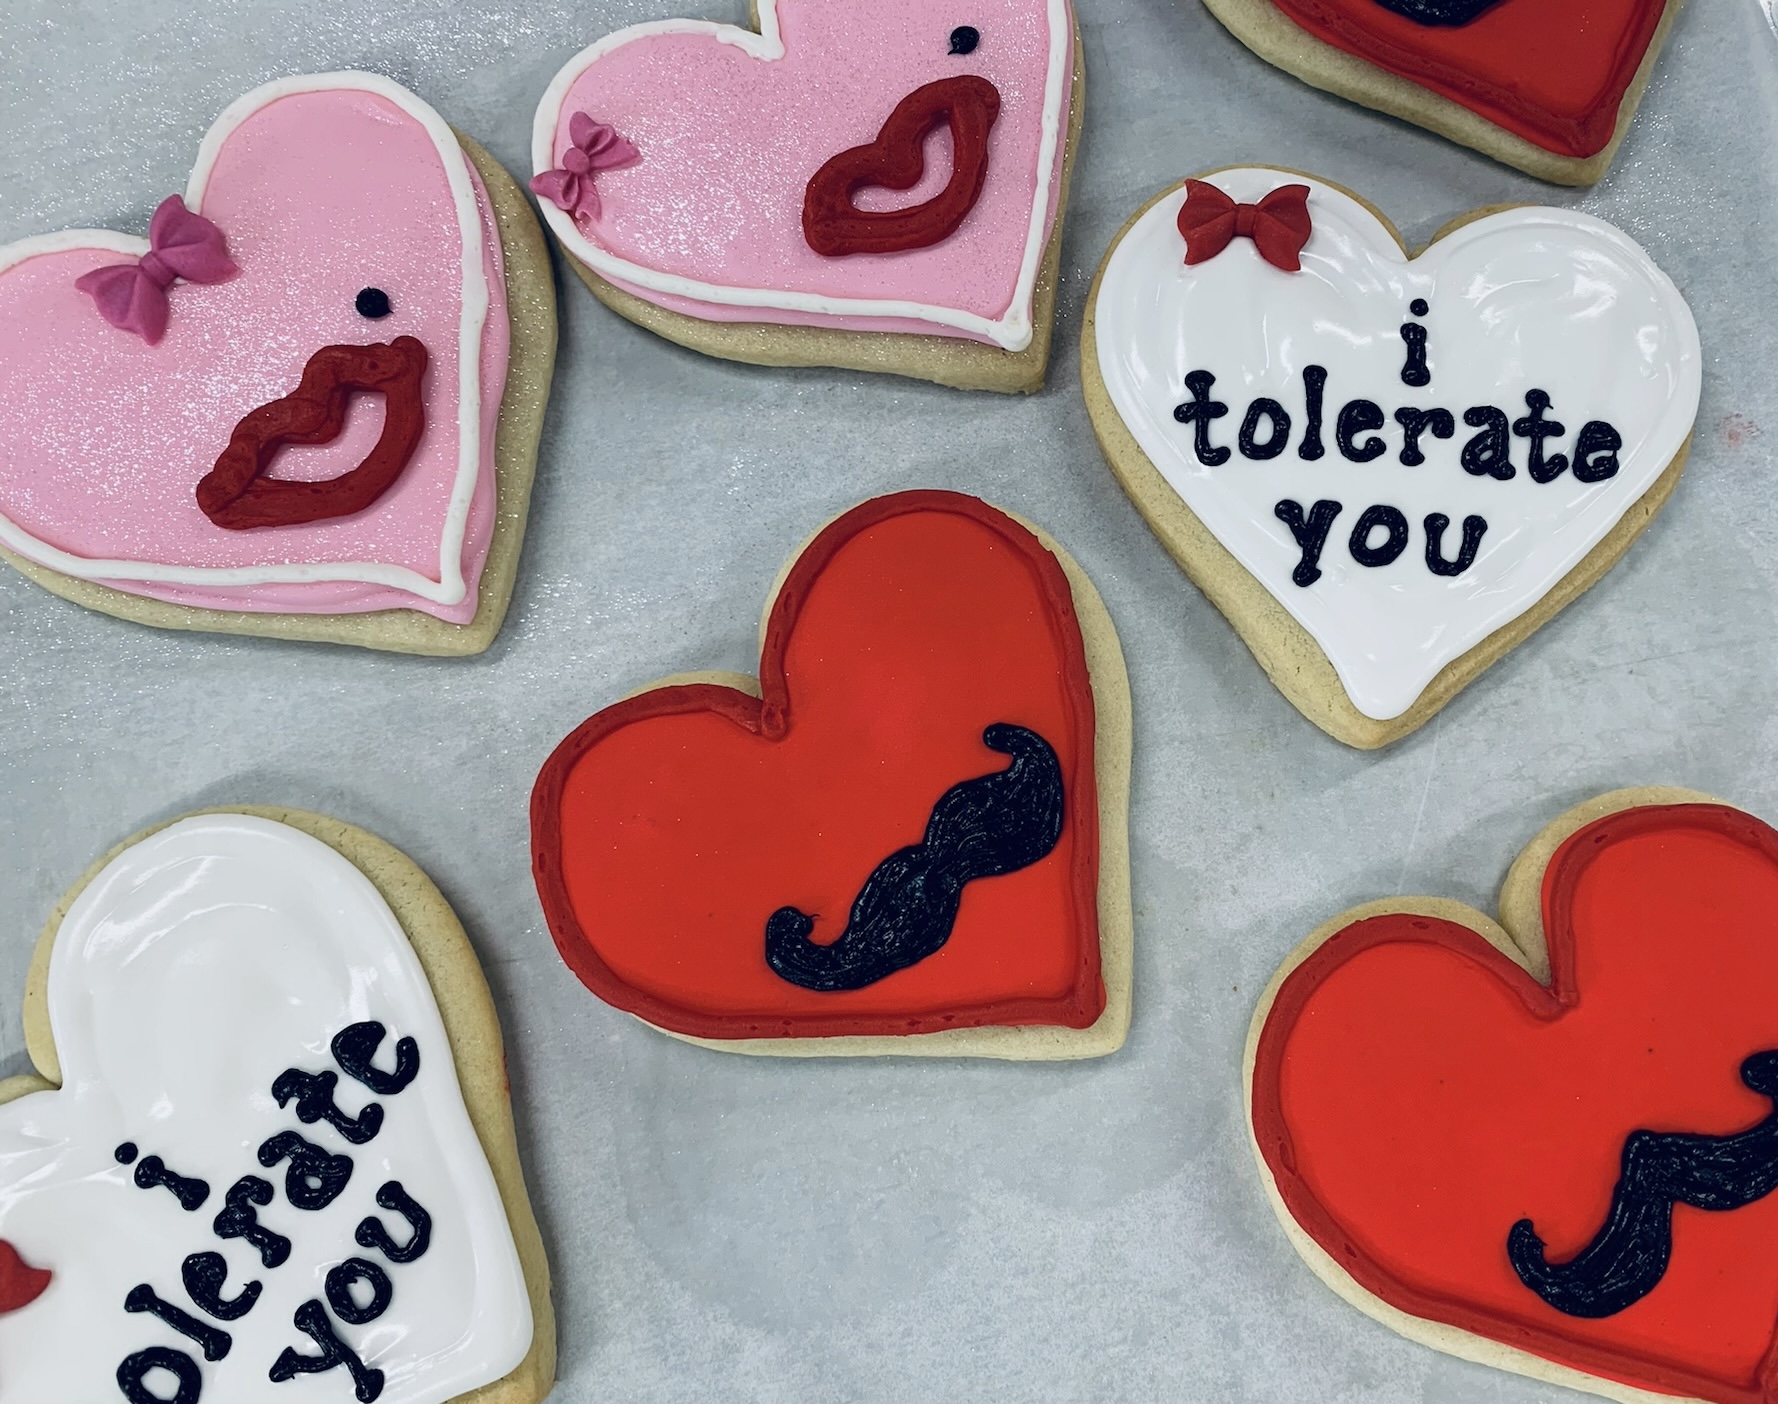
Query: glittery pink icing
<point>728,143</point>
<point>103,439</point>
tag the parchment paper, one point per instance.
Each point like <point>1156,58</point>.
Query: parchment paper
<point>731,1229</point>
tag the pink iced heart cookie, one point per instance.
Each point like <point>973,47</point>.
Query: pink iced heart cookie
<point>282,413</point>
<point>879,183</point>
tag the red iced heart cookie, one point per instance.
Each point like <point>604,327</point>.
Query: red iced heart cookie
<point>699,848</point>
<point>1553,85</point>
<point>1415,1094</point>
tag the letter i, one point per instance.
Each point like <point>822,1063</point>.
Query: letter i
<point>1414,371</point>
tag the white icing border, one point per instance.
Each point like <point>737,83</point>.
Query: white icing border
<point>1126,299</point>
<point>1012,331</point>
<point>450,588</point>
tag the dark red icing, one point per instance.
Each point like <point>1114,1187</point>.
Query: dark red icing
<point>834,226</point>
<point>20,1283</point>
<point>237,495</point>
<point>669,827</point>
<point>1415,1093</point>
<point>1279,224</point>
<point>1552,73</point>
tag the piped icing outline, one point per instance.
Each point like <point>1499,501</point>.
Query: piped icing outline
<point>1533,963</point>
<point>770,714</point>
<point>1489,98</point>
<point>177,875</point>
<point>1149,248</point>
<point>1011,332</point>
<point>451,587</point>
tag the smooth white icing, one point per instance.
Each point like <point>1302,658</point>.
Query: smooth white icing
<point>197,966</point>
<point>1012,331</point>
<point>1527,298</point>
<point>451,585</point>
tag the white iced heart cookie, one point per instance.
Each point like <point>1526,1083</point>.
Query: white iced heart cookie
<point>1385,471</point>
<point>269,1157</point>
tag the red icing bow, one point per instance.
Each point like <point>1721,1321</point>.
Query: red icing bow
<point>133,296</point>
<point>595,146</point>
<point>20,1283</point>
<point>1278,225</point>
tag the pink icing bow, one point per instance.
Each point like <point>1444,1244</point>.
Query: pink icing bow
<point>133,296</point>
<point>596,147</point>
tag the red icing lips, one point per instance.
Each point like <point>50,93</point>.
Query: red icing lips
<point>1553,73</point>
<point>668,828</point>
<point>834,226</point>
<point>1414,1093</point>
<point>236,494</point>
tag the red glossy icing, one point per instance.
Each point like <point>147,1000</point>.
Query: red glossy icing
<point>1279,224</point>
<point>1415,1093</point>
<point>834,226</point>
<point>20,1283</point>
<point>1553,73</point>
<point>667,828</point>
<point>236,494</point>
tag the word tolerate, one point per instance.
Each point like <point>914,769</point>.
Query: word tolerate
<point>358,1291</point>
<point>1380,534</point>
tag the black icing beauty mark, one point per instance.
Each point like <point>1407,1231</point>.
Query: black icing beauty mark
<point>239,1219</point>
<point>372,1234</point>
<point>355,1045</point>
<point>964,38</point>
<point>311,1320</point>
<point>980,828</point>
<point>313,1095</point>
<point>316,1176</point>
<point>372,303</point>
<point>1439,12</point>
<point>1628,1256</point>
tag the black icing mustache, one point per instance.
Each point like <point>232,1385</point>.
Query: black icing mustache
<point>979,828</point>
<point>1628,1256</point>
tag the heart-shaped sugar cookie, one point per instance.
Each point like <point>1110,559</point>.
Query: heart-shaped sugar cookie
<point>271,1139</point>
<point>353,220</point>
<point>1548,88</point>
<point>686,210</point>
<point>1550,1144</point>
<point>907,837</point>
<point>1385,471</point>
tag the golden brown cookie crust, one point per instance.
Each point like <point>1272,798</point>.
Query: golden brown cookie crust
<point>471,1024</point>
<point>531,311</point>
<point>1289,654</point>
<point>1518,935</point>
